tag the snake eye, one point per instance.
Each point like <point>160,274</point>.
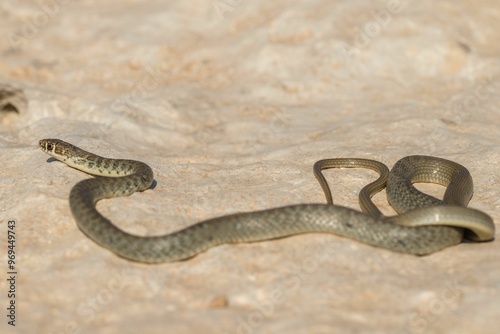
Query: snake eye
<point>49,147</point>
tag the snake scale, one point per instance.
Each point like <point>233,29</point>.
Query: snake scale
<point>424,224</point>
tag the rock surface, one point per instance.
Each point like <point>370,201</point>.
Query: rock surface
<point>231,102</point>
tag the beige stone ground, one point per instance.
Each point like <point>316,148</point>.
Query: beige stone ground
<point>231,102</point>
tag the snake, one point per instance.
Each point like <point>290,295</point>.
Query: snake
<point>424,224</point>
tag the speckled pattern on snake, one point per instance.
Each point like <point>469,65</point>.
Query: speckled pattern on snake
<point>424,225</point>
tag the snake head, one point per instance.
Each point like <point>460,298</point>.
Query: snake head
<point>48,145</point>
<point>55,148</point>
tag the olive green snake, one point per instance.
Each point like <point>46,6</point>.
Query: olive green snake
<point>424,225</point>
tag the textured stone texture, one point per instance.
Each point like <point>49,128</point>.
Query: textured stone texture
<point>231,102</point>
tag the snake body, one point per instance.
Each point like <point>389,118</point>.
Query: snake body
<point>425,224</point>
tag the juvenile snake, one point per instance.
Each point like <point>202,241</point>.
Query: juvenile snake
<point>425,224</point>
